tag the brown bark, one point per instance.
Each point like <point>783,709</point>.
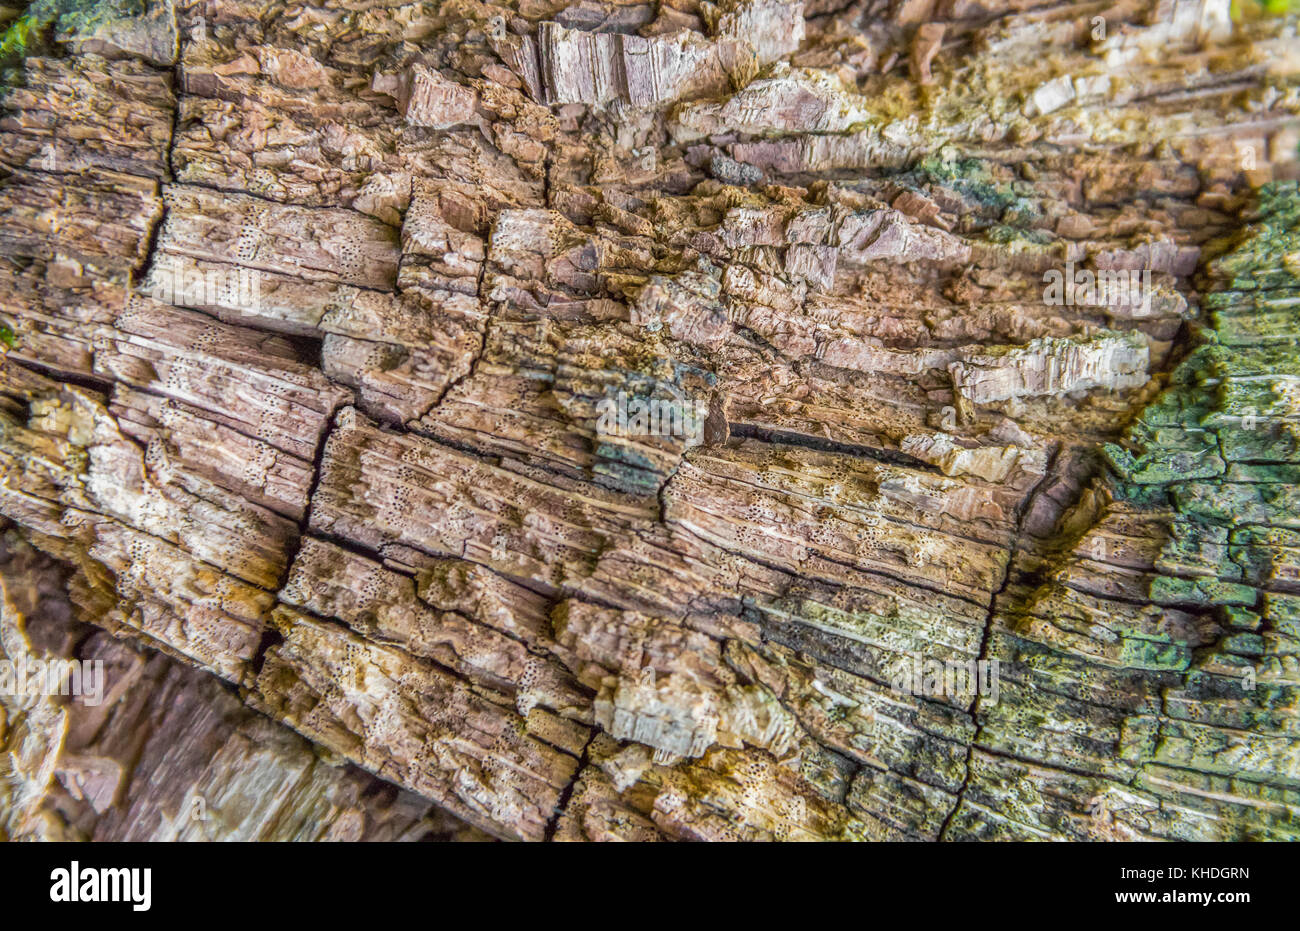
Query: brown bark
<point>318,330</point>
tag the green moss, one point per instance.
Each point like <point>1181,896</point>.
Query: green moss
<point>1147,496</point>
<point>1152,654</point>
<point>7,335</point>
<point>1163,466</point>
<point>26,35</point>
<point>1002,203</point>
<point>1227,402</point>
<point>32,33</point>
<point>1219,447</point>
<point>1230,504</point>
<point>1244,644</point>
<point>1268,473</point>
<point>86,15</point>
<point>1262,256</point>
<point>1197,550</point>
<point>1200,592</point>
<point>1283,613</point>
<point>954,172</point>
<point>1246,10</point>
<point>1005,235</point>
<point>1239,618</point>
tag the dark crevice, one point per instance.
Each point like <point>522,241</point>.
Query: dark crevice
<point>781,437</point>
<point>83,380</point>
<point>271,638</point>
<point>986,638</point>
<point>567,792</point>
<point>304,524</point>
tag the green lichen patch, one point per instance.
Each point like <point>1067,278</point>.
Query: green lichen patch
<point>1221,447</point>
<point>45,23</point>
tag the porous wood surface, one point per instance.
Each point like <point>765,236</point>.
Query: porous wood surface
<point>373,504</point>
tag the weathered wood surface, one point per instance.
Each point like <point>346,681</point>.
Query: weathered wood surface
<point>314,319</point>
<point>161,751</point>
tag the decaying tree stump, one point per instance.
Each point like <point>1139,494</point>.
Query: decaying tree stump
<point>679,420</point>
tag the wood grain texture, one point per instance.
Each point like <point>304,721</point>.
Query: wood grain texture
<point>628,421</point>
